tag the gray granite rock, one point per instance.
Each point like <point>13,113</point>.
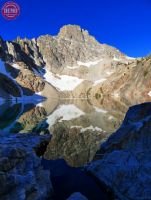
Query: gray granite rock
<point>72,44</point>
<point>126,164</point>
<point>21,174</point>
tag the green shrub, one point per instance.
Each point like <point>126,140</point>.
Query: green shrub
<point>97,96</point>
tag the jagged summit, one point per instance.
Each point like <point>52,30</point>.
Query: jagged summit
<point>74,32</point>
<point>72,44</point>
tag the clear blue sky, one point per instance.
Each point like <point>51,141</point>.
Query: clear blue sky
<point>125,24</point>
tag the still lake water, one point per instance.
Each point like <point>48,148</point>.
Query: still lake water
<point>77,127</point>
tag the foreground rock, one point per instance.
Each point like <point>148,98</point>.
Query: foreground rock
<point>126,163</point>
<point>21,174</point>
<point>77,196</point>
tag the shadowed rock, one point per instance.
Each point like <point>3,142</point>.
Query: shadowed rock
<point>126,163</point>
<point>21,174</point>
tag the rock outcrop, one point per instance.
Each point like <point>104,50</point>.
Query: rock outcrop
<point>21,174</point>
<point>125,163</point>
<point>130,82</point>
<point>71,45</point>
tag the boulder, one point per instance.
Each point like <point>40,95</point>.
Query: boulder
<point>21,174</point>
<point>126,161</point>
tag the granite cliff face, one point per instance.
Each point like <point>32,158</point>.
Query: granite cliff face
<point>18,71</point>
<point>72,44</point>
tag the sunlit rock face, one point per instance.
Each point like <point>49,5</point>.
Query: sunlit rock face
<point>72,44</point>
<point>20,76</point>
<point>21,174</point>
<point>126,162</point>
<point>67,65</point>
<point>73,64</point>
<point>130,82</point>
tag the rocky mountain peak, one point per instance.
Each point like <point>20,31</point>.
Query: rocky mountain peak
<point>71,31</point>
<point>72,45</point>
<point>75,32</point>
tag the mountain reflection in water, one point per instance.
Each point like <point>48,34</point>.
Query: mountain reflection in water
<point>77,127</point>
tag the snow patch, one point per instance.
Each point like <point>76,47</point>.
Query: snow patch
<point>6,73</point>
<point>38,93</point>
<point>64,113</point>
<point>91,128</point>
<point>130,58</point>
<point>39,105</point>
<point>110,117</point>
<point>16,66</point>
<point>73,67</point>
<point>99,81</point>
<point>116,95</point>
<point>116,59</point>
<point>34,98</point>
<point>85,64</point>
<point>62,82</point>
<point>78,127</point>
<point>120,59</point>
<point>90,63</point>
<point>109,72</point>
<point>100,110</point>
<point>149,93</point>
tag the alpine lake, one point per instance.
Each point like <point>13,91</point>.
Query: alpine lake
<point>77,127</point>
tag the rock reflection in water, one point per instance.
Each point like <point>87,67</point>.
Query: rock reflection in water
<point>75,146</point>
<point>8,115</point>
<point>29,119</point>
<point>77,127</point>
<point>20,118</point>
